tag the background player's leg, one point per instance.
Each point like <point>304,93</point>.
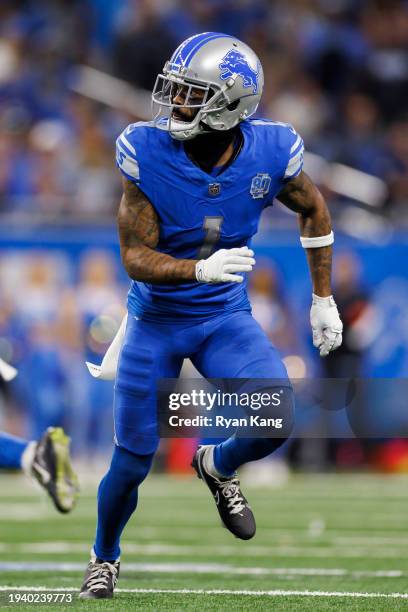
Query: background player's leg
<point>47,461</point>
<point>12,451</point>
<point>238,348</point>
<point>147,354</point>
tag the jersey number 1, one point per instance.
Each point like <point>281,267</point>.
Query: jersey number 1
<point>212,227</point>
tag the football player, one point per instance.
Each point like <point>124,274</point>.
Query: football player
<point>47,461</point>
<point>195,182</point>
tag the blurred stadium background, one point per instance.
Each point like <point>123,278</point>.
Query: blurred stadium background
<point>73,74</point>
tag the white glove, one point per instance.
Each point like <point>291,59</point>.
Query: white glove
<point>7,372</point>
<point>326,324</point>
<point>222,266</point>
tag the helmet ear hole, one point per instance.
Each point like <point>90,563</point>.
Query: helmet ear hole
<point>233,105</point>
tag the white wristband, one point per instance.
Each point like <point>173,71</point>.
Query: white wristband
<point>317,241</point>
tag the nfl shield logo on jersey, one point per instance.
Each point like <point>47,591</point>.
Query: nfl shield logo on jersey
<point>214,189</point>
<point>260,185</point>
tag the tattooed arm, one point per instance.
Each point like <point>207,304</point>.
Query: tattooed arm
<point>303,197</point>
<point>139,234</point>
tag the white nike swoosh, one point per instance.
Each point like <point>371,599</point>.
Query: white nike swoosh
<point>45,476</point>
<point>217,498</point>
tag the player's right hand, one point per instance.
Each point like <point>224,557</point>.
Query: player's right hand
<point>223,265</point>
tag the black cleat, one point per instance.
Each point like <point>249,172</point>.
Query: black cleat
<point>100,579</point>
<point>51,466</point>
<point>232,506</point>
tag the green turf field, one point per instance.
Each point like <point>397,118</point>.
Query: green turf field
<point>318,537</point>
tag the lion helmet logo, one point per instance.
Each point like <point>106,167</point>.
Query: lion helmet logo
<point>235,62</point>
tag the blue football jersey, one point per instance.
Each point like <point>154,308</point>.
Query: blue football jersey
<point>199,212</point>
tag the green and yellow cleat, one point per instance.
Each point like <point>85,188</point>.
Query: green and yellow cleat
<point>52,468</point>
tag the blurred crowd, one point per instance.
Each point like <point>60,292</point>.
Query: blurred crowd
<point>336,69</point>
<point>55,314</point>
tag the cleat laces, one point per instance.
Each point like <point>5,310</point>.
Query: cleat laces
<point>99,576</point>
<point>230,490</point>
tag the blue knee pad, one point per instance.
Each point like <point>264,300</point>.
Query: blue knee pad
<point>135,401</point>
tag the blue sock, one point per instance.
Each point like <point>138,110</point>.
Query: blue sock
<point>11,451</point>
<point>234,452</point>
<point>117,499</point>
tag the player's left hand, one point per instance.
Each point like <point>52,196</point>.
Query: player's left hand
<point>326,324</point>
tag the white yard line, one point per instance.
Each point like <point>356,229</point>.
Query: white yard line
<point>206,568</point>
<point>367,540</point>
<point>162,549</point>
<point>274,593</point>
